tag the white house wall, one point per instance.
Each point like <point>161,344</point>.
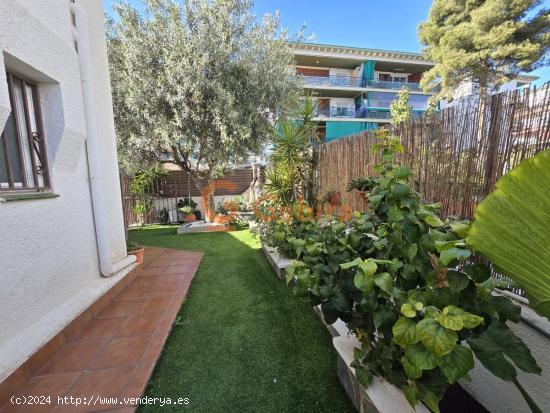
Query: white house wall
<point>49,264</point>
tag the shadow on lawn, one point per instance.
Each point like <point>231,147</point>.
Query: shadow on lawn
<point>242,342</point>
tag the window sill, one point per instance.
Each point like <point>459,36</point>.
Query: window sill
<point>27,196</point>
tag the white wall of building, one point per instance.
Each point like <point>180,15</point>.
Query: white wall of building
<point>333,71</point>
<point>48,253</point>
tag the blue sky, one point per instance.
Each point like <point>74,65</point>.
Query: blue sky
<point>367,23</point>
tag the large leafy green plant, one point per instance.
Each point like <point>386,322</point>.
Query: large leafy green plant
<point>511,229</point>
<point>398,276</point>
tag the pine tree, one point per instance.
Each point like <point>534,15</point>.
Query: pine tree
<point>487,42</point>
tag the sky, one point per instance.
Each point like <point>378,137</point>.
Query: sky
<point>371,24</point>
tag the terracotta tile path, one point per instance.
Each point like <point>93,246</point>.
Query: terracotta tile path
<point>115,353</point>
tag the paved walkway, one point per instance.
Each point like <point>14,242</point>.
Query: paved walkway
<point>114,355</point>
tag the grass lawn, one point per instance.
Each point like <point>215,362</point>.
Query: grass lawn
<point>242,342</point>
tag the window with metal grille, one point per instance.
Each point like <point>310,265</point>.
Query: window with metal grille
<point>23,162</point>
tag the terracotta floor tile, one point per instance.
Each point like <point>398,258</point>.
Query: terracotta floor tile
<point>155,347</point>
<point>133,292</point>
<point>53,386</point>
<point>117,349</point>
<point>139,380</point>
<point>120,308</point>
<point>140,325</point>
<point>142,282</point>
<point>179,269</point>
<point>154,305</point>
<point>121,352</point>
<point>94,385</point>
<point>162,291</point>
<point>74,357</point>
<point>101,328</point>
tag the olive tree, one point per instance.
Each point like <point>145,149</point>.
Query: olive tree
<point>198,84</point>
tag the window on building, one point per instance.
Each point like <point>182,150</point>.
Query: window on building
<point>23,163</point>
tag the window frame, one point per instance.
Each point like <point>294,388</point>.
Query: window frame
<point>36,139</point>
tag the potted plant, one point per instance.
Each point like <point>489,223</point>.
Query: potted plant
<point>332,197</point>
<point>362,185</point>
<point>188,215</point>
<point>186,207</point>
<point>133,248</point>
<point>222,216</point>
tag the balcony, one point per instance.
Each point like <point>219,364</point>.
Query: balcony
<point>383,84</point>
<point>357,82</point>
<point>334,81</point>
<point>364,113</point>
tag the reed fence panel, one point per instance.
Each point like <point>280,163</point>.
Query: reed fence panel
<point>456,154</point>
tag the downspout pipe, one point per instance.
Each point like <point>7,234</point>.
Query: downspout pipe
<point>81,35</point>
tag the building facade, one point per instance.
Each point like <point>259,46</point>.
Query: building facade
<point>353,87</point>
<point>62,240</point>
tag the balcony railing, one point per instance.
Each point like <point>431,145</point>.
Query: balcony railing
<point>354,81</point>
<point>383,84</point>
<point>336,112</point>
<point>364,113</point>
<point>346,81</point>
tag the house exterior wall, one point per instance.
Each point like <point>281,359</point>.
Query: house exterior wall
<point>48,253</point>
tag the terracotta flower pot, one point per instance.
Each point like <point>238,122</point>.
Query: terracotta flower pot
<point>221,219</point>
<point>139,253</point>
<point>190,218</point>
<point>334,199</point>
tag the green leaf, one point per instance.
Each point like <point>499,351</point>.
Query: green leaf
<point>432,400</point>
<point>411,394</point>
<point>401,172</point>
<point>506,309</point>
<point>461,228</point>
<point>458,281</point>
<point>453,254</point>
<point>351,264</point>
<point>384,281</point>
<point>411,251</point>
<point>404,332</point>
<point>456,319</point>
<point>416,359</point>
<point>400,191</point>
<point>511,229</point>
<point>434,221</point>
<point>493,344</point>
<point>457,363</point>
<point>363,281</point>
<point>383,317</point>
<point>438,339</point>
<point>477,272</point>
<point>408,310</point>
<point>368,267</point>
<point>375,200</point>
<point>364,376</point>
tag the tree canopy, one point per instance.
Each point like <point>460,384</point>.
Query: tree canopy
<point>198,84</point>
<point>487,42</point>
<point>400,108</point>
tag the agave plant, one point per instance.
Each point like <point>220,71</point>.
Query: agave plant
<point>511,229</point>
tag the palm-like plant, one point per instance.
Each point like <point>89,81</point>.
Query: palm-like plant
<point>278,185</point>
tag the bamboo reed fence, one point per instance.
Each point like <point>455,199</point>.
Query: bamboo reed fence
<point>456,155</point>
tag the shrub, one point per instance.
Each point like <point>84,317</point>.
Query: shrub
<point>399,276</point>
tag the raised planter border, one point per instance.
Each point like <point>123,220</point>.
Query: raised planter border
<point>278,262</point>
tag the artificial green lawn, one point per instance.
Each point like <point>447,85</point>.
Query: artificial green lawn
<point>242,342</point>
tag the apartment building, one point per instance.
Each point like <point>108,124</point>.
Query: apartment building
<point>353,87</point>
